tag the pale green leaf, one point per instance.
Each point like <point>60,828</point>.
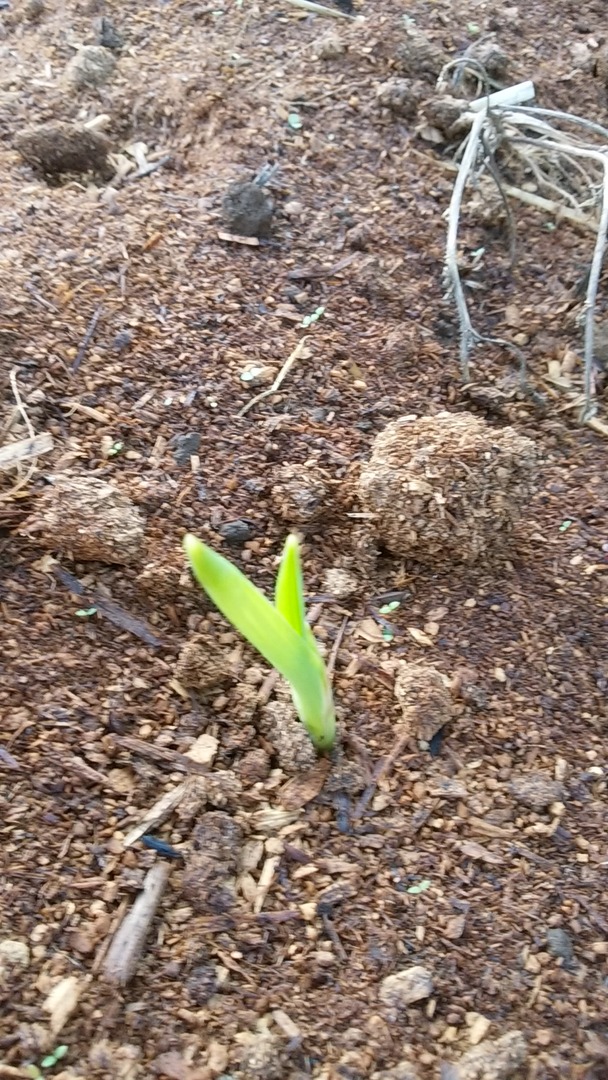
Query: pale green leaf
<point>289,588</point>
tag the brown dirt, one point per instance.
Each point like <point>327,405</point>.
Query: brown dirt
<point>130,322</point>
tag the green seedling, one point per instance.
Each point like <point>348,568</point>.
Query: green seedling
<point>309,320</point>
<point>47,1062</point>
<point>85,613</point>
<point>278,631</point>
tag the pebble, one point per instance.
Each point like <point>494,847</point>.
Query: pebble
<point>559,943</point>
<point>90,518</point>
<point>91,67</point>
<point>493,1059</point>
<point>403,1071</point>
<point>236,532</point>
<point>122,340</point>
<point>185,446</point>
<point>247,210</point>
<point>340,583</point>
<point>538,790</point>
<point>14,953</point>
<point>406,987</point>
<point>61,147</point>
<point>108,36</point>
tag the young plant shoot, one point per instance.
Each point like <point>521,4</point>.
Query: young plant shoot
<point>278,631</point>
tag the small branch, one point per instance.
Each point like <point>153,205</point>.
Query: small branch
<point>467,334</point>
<point>128,943</point>
<point>86,341</point>
<point>24,449</point>
<point>320,9</point>
<point>287,366</point>
<point>590,299</point>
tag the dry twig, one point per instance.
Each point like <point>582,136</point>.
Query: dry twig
<point>128,942</point>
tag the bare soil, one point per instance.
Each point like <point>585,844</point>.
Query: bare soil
<point>129,314</point>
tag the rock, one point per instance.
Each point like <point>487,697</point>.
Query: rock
<point>359,237</point>
<point>108,36</point>
<point>400,96</point>
<point>446,787</point>
<point>236,532</point>
<point>201,983</point>
<point>340,583</point>
<point>447,488</point>
<point>248,210</point>
<point>493,1059</point>
<point>13,954</point>
<point>209,876</point>
<point>60,147</point>
<point>329,47</point>
<point>559,943</point>
<point>495,62</point>
<point>419,56</point>
<point>295,752</point>
<point>185,446</point>
<point>254,767</point>
<point>260,1057</point>
<point>445,113</point>
<point>537,790</point>
<point>299,493</point>
<point>406,987</point>
<point>403,1071</point>
<point>89,518</point>
<point>201,666</point>
<point>122,340</point>
<point>91,67</point>
<point>425,701</point>
<point>34,10</point>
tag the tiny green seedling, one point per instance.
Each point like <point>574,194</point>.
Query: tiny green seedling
<point>278,631</point>
<point>47,1062</point>
<point>309,320</point>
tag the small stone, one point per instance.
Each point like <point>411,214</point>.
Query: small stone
<point>294,750</point>
<point>493,1059</point>
<point>492,58</point>
<point>445,787</point>
<point>122,340</point>
<point>248,210</point>
<point>201,666</point>
<point>254,767</point>
<point>403,1071</point>
<point>260,1058</point>
<point>299,494</point>
<point>34,10</point>
<point>329,47</point>
<point>236,532</point>
<point>424,698</point>
<point>201,984</point>
<point>560,945</point>
<point>209,876</point>
<point>400,96</point>
<point>91,67</point>
<point>359,237</point>
<point>60,147</point>
<point>406,987</point>
<point>537,790</point>
<point>185,446</point>
<point>108,36</point>
<point>13,954</point>
<point>89,518</point>
<point>478,1029</point>
<point>340,583</point>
